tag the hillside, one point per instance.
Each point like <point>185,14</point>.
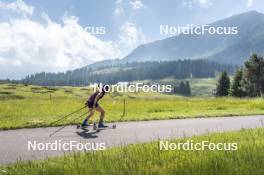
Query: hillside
<point>112,74</point>
<point>221,48</point>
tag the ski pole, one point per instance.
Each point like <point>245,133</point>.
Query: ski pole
<point>67,115</point>
<point>66,125</point>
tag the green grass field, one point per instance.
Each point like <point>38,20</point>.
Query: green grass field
<point>202,87</point>
<point>148,159</point>
<point>35,106</point>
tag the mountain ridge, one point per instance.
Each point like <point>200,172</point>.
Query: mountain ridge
<point>213,47</point>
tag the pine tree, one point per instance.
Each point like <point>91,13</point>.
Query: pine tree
<point>223,85</point>
<point>183,89</point>
<point>188,89</point>
<point>237,85</point>
<point>254,76</point>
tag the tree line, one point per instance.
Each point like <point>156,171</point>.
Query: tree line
<point>248,81</point>
<point>126,72</point>
<point>183,88</point>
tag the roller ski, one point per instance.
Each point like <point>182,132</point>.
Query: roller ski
<point>85,126</point>
<point>101,126</point>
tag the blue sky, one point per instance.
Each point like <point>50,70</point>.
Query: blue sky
<point>34,35</point>
<point>147,16</point>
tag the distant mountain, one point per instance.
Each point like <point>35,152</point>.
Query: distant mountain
<point>234,49</point>
<point>103,63</point>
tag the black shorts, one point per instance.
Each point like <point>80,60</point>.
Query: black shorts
<point>91,104</point>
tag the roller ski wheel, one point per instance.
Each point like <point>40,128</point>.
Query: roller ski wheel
<point>94,126</point>
<point>82,126</point>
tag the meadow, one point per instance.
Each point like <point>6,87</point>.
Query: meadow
<point>36,106</point>
<point>201,87</point>
<point>149,159</point>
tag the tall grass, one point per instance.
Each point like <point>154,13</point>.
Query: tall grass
<point>148,159</point>
<point>40,106</point>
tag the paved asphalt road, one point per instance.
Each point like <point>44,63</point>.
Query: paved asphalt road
<point>14,143</point>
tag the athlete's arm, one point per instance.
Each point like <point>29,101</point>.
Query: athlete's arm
<point>96,99</point>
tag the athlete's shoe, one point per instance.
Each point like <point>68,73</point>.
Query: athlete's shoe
<point>84,126</point>
<point>101,125</point>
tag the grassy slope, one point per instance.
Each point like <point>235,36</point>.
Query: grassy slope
<point>32,106</point>
<point>148,159</point>
<point>202,87</point>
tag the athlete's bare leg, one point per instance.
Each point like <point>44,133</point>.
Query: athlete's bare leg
<point>101,110</point>
<point>102,115</point>
<point>91,113</point>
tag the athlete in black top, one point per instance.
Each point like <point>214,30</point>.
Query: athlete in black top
<point>92,104</point>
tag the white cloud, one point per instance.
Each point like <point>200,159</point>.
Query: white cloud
<point>130,37</point>
<point>249,3</point>
<point>119,8</point>
<point>136,4</point>
<point>188,3</point>
<point>200,3</point>
<point>204,3</point>
<point>118,11</point>
<point>127,7</point>
<point>118,2</point>
<point>18,6</point>
<point>27,46</point>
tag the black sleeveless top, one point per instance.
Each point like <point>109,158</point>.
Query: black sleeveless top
<point>93,96</point>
